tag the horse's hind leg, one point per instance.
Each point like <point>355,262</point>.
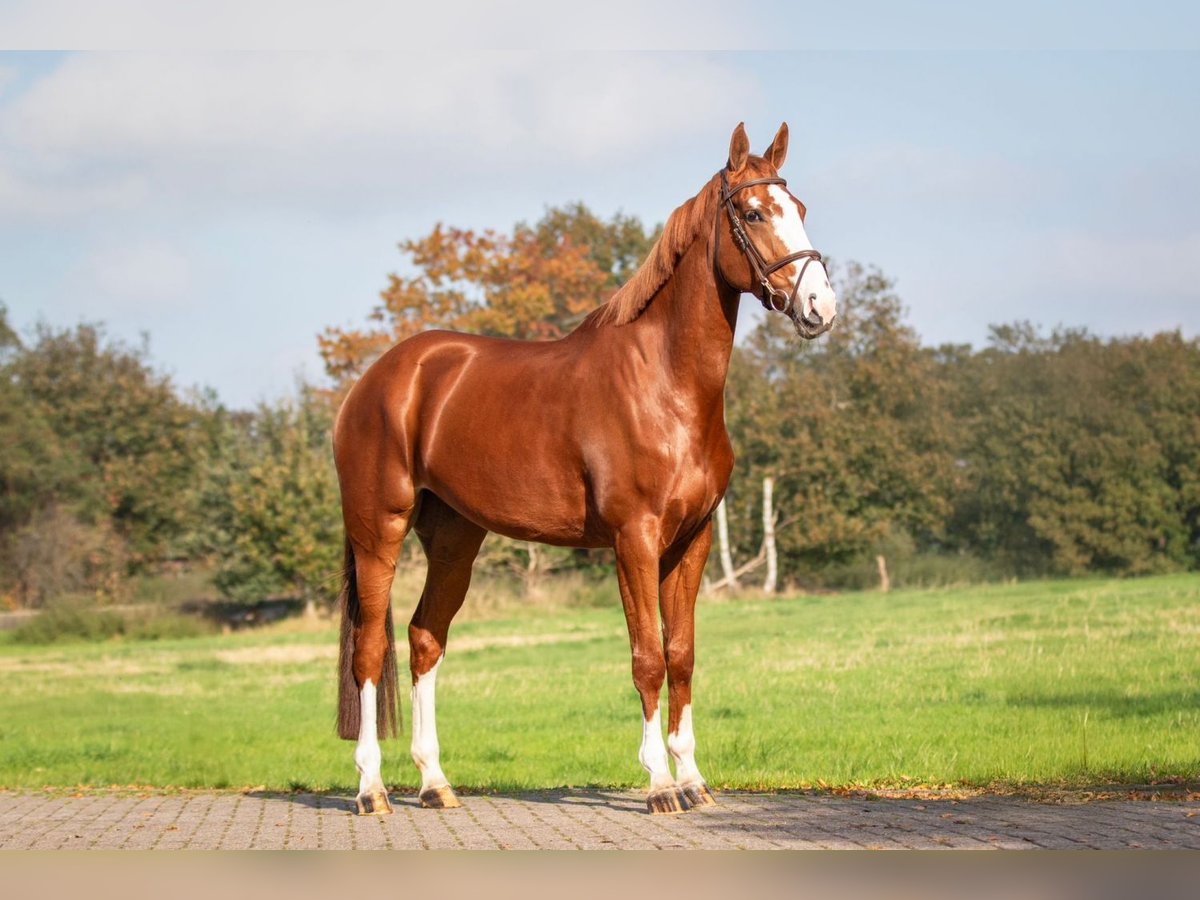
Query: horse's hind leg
<point>451,544</point>
<point>367,689</point>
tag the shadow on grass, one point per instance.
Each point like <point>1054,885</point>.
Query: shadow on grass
<point>1113,702</point>
<point>236,615</point>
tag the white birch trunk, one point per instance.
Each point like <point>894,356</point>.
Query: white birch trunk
<point>768,513</point>
<point>533,570</point>
<point>723,545</point>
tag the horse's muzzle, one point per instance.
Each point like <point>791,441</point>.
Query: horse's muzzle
<point>811,325</point>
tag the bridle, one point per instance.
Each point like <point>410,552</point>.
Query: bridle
<point>760,267</point>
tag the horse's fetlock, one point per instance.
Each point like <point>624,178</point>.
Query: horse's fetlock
<point>679,744</point>
<point>368,758</point>
<point>424,753</point>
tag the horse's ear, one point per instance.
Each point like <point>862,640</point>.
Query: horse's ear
<point>739,148</point>
<point>777,152</point>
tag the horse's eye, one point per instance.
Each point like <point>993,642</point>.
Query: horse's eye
<point>753,215</point>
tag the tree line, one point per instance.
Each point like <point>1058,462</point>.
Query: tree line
<point>861,455</point>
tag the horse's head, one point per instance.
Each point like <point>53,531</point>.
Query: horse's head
<point>762,248</point>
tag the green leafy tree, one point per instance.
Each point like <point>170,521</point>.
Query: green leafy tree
<point>1082,452</point>
<point>852,427</point>
<point>1167,369</point>
<point>126,448</point>
<point>100,459</point>
<point>271,504</point>
<point>36,467</point>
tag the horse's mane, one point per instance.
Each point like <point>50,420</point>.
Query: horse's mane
<point>683,227</point>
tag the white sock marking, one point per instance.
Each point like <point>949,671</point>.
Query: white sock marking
<point>653,754</point>
<point>683,749</point>
<point>367,756</point>
<point>425,748</point>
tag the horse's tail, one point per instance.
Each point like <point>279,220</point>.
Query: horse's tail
<point>349,718</point>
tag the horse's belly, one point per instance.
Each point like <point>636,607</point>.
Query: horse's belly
<point>515,497</point>
<point>546,520</point>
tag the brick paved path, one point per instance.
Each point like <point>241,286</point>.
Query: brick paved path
<point>586,820</point>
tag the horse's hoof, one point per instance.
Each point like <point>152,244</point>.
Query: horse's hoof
<point>666,801</point>
<point>439,798</point>
<point>374,804</point>
<point>698,794</point>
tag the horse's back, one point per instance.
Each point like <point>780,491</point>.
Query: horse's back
<point>421,380</point>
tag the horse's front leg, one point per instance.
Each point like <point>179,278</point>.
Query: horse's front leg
<point>637,575</point>
<point>680,585</point>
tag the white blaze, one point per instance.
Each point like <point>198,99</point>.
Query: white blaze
<point>815,291</point>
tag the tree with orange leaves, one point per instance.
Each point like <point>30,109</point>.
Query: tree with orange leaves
<point>535,284</point>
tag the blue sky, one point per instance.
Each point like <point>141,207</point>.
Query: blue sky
<point>232,204</point>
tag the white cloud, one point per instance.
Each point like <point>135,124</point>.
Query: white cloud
<point>1110,284</point>
<point>925,174</point>
<point>139,274</point>
<point>375,24</point>
<point>200,128</point>
<point>1126,271</point>
<point>50,200</point>
<point>534,24</point>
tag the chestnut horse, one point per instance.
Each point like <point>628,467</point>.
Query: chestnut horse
<point>613,436</point>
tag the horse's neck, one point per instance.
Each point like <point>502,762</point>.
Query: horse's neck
<point>693,320</point>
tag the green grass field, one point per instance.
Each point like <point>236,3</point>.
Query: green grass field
<point>1070,683</point>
